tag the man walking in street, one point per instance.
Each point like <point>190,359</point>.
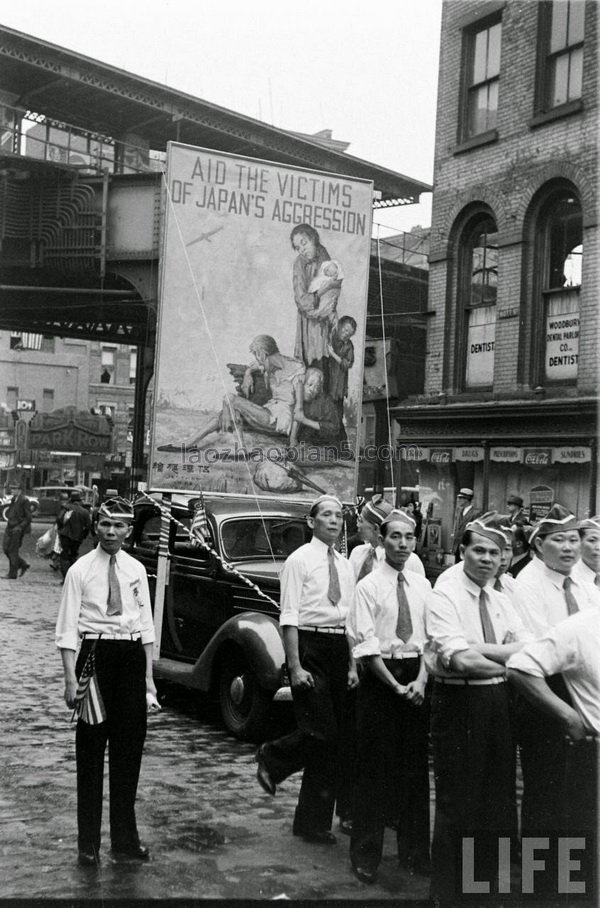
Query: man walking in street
<point>18,522</point>
<point>317,586</point>
<point>74,527</point>
<point>106,605</point>
<point>472,630</point>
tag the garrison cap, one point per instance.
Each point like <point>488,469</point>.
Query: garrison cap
<point>590,523</point>
<point>376,510</point>
<point>117,508</point>
<point>396,514</point>
<point>558,520</point>
<point>493,526</point>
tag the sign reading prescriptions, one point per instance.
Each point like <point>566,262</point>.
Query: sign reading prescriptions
<point>262,324</point>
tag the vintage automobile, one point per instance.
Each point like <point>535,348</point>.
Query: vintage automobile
<point>218,634</point>
<point>49,498</point>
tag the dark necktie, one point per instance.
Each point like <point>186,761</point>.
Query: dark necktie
<point>367,565</point>
<point>570,599</point>
<point>115,605</point>
<point>597,579</point>
<point>486,622</point>
<point>334,594</point>
<point>404,626</point>
<point>498,585</point>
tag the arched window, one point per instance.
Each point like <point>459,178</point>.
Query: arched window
<point>559,258</point>
<point>477,289</point>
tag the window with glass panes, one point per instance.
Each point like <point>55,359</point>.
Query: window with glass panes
<point>482,48</point>
<point>478,289</point>
<point>563,77</point>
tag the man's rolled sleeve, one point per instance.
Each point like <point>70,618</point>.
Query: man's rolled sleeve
<point>443,628</point>
<point>67,633</point>
<point>291,591</point>
<point>146,619</point>
<point>362,624</point>
<point>541,658</point>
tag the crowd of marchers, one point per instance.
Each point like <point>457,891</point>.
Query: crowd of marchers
<point>500,658</point>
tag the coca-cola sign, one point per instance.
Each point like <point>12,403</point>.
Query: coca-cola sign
<point>537,457</point>
<point>441,456</point>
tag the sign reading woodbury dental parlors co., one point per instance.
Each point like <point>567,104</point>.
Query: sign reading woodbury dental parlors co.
<point>262,324</point>
<point>70,430</point>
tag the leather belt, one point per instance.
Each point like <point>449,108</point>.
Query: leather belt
<point>136,635</point>
<point>400,656</point>
<point>470,682</point>
<point>311,628</point>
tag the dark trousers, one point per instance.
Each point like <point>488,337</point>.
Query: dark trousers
<point>69,552</point>
<point>11,543</point>
<point>474,781</point>
<point>346,768</point>
<point>120,673</point>
<point>313,745</point>
<point>392,774</point>
<point>543,750</point>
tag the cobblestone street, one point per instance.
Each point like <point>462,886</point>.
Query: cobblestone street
<point>212,832</point>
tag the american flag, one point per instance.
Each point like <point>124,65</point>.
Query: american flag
<point>199,527</point>
<point>89,705</point>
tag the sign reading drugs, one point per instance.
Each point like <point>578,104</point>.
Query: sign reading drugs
<point>262,323</point>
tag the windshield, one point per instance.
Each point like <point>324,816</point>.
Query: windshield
<point>253,537</point>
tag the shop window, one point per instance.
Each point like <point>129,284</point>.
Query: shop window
<point>47,400</point>
<point>561,63</point>
<point>107,365</point>
<point>132,364</point>
<point>477,288</point>
<point>12,395</point>
<point>559,257</point>
<point>481,68</point>
<point>25,340</point>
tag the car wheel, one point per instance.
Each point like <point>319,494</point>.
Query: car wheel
<point>5,511</point>
<point>244,703</point>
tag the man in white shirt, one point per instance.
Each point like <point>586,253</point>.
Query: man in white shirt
<point>387,626</point>
<point>106,605</point>
<point>573,649</point>
<point>317,587</point>
<point>588,566</point>
<point>553,593</point>
<point>370,555</point>
<point>472,630</point>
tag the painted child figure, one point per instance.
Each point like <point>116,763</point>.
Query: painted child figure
<point>341,360</point>
<point>327,303</point>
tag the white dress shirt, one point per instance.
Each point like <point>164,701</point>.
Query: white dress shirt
<point>573,649</point>
<point>582,572</point>
<point>506,581</point>
<point>304,587</point>
<point>540,598</point>
<point>85,600</point>
<point>359,554</point>
<point>453,623</point>
<point>374,613</point>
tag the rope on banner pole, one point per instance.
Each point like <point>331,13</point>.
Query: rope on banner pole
<point>197,540</point>
<point>387,389</point>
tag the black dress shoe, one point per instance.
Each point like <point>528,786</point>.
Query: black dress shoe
<point>88,858</point>
<point>364,875</point>
<point>318,838</point>
<point>132,853</point>
<point>262,773</point>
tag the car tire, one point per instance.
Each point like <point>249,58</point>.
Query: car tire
<point>244,703</point>
<point>5,512</point>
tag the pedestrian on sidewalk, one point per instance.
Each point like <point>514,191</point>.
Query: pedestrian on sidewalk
<point>74,526</point>
<point>317,586</point>
<point>18,522</point>
<point>106,605</point>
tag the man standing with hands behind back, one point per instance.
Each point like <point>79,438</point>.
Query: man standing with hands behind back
<point>317,587</point>
<point>463,514</point>
<point>106,605</point>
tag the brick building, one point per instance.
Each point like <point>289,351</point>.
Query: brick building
<point>511,392</point>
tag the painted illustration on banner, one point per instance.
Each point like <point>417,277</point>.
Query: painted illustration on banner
<point>262,323</point>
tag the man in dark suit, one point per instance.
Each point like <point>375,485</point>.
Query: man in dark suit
<point>464,514</point>
<point>516,511</point>
<point>75,526</point>
<point>18,522</point>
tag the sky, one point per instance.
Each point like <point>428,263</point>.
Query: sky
<point>367,71</point>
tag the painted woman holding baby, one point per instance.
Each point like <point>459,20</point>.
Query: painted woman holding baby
<point>317,281</point>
